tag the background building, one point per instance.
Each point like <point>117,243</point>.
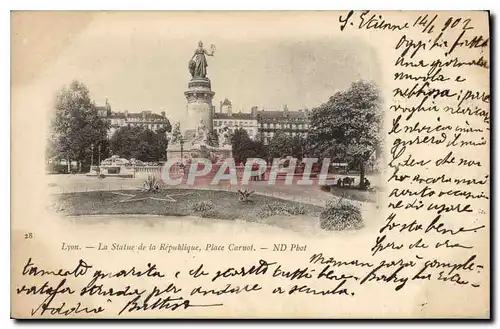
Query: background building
<point>226,117</point>
<point>261,124</point>
<point>291,122</point>
<point>150,120</point>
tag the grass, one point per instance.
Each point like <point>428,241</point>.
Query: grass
<point>225,204</point>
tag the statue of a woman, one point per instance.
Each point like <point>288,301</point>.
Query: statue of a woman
<point>174,137</point>
<point>198,63</point>
<point>201,133</point>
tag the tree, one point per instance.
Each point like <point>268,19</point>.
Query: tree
<point>161,145</point>
<point>244,147</point>
<point>348,127</point>
<point>280,145</point>
<point>240,142</point>
<point>139,143</point>
<point>76,125</point>
<point>213,138</point>
<point>298,146</point>
<point>166,128</point>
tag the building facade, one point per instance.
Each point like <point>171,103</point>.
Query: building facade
<point>292,123</point>
<point>147,119</point>
<point>226,117</point>
<point>262,124</point>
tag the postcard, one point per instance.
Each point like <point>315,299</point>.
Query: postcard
<point>250,165</point>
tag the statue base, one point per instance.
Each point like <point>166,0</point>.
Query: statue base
<point>189,151</point>
<point>222,153</point>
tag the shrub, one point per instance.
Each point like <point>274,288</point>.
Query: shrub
<point>297,209</point>
<point>244,195</point>
<point>340,215</point>
<point>203,206</point>
<point>152,184</point>
<point>279,208</point>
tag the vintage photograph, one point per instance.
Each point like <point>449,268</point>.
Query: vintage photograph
<point>257,165</point>
<point>286,133</point>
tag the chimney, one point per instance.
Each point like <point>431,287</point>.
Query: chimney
<point>163,114</point>
<point>220,109</point>
<point>254,111</point>
<point>285,110</point>
<point>126,113</point>
<point>107,105</point>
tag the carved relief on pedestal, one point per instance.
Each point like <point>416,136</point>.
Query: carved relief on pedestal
<point>196,97</point>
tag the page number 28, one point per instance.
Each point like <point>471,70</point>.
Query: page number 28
<point>28,235</point>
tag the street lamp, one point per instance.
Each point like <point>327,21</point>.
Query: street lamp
<point>99,155</point>
<point>182,150</point>
<point>92,154</point>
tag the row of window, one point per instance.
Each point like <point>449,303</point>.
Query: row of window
<point>231,123</point>
<point>285,125</point>
<point>134,121</point>
<point>138,119</point>
<point>150,126</point>
<point>293,133</point>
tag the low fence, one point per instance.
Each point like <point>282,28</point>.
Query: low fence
<point>147,170</point>
<point>177,171</point>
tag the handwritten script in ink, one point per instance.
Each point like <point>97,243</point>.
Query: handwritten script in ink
<point>156,287</point>
<point>438,139</point>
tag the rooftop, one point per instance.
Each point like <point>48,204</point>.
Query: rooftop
<point>301,114</point>
<point>148,115</point>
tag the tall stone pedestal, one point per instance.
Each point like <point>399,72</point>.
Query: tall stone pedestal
<point>199,97</point>
<point>222,153</point>
<point>199,110</point>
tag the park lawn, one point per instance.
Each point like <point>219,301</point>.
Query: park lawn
<point>225,204</point>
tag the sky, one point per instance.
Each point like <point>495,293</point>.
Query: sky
<point>139,60</point>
